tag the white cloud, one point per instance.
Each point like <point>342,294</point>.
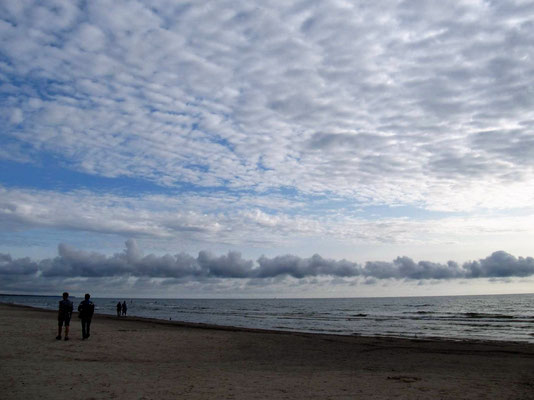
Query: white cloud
<point>242,221</point>
<point>395,103</point>
<point>386,104</point>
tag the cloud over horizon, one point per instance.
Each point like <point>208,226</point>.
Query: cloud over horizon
<point>131,263</point>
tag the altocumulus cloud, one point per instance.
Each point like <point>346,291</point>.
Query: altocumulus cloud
<point>73,263</point>
<point>382,102</point>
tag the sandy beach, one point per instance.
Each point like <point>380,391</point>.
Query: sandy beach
<point>134,358</point>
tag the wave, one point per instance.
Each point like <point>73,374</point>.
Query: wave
<point>494,318</point>
<point>419,312</point>
<point>487,315</point>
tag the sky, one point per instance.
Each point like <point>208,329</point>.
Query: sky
<point>266,148</point>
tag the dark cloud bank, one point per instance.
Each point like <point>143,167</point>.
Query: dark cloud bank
<point>73,263</point>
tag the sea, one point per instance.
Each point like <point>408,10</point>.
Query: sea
<point>489,317</point>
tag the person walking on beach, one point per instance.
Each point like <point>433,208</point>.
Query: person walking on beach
<point>119,307</point>
<point>86,310</point>
<point>124,308</point>
<point>63,316</point>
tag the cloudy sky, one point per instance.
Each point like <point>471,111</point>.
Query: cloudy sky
<point>266,148</point>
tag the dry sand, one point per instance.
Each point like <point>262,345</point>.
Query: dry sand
<point>135,358</point>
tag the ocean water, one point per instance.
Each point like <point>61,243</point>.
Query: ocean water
<point>492,317</point>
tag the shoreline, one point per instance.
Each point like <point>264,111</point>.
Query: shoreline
<point>140,358</point>
<point>201,325</point>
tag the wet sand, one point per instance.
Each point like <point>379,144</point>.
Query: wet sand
<point>135,358</point>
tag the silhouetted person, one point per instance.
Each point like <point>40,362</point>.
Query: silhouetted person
<point>124,308</point>
<point>86,309</point>
<point>119,307</point>
<point>63,316</point>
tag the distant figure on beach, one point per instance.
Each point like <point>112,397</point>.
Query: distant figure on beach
<point>119,307</point>
<point>86,310</point>
<point>124,308</point>
<point>63,316</point>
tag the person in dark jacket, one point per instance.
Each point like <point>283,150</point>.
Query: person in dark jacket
<point>124,308</point>
<point>86,310</point>
<point>63,316</point>
<point>119,307</point>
